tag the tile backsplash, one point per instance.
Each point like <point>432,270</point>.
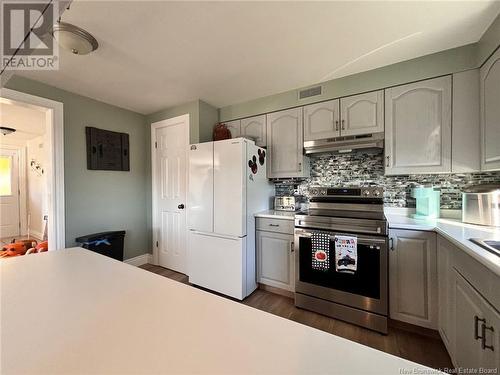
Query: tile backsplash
<point>365,168</point>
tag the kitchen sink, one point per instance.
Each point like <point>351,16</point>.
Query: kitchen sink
<point>493,246</point>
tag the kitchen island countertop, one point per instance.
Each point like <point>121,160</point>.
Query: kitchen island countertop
<point>77,312</point>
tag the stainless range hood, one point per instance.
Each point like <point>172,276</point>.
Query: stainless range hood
<point>345,144</point>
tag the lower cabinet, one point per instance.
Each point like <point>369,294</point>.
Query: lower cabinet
<point>275,259</point>
<point>477,326</point>
<point>413,277</point>
<point>469,319</point>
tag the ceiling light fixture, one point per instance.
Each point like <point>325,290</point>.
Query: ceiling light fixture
<point>74,39</point>
<point>5,130</point>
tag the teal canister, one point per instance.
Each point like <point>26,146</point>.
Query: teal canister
<point>427,202</point>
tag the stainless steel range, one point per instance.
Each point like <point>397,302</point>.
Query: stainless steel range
<point>323,284</point>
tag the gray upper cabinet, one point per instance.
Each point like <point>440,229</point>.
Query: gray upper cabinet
<point>490,113</point>
<point>466,134</point>
<point>255,128</point>
<point>285,144</point>
<point>321,120</point>
<point>362,114</point>
<point>234,127</point>
<point>418,127</point>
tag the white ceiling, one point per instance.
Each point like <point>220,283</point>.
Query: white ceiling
<point>29,122</point>
<point>154,55</point>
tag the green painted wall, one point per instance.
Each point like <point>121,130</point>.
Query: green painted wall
<point>437,64</point>
<point>191,108</point>
<point>100,200</point>
<point>441,63</point>
<point>489,41</point>
<point>202,118</point>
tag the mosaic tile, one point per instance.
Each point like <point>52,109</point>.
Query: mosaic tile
<point>365,168</point>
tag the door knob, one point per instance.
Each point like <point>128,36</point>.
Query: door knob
<point>181,206</point>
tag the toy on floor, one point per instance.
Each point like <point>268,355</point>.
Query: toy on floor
<point>40,248</point>
<point>13,250</point>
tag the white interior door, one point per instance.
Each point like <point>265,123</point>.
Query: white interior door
<point>9,193</point>
<point>169,191</point>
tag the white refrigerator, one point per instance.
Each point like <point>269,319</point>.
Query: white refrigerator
<point>227,186</point>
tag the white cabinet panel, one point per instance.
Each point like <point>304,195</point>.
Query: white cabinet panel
<point>362,114</point>
<point>234,127</point>
<point>490,113</point>
<point>275,263</point>
<point>255,128</point>
<point>285,144</point>
<point>466,149</point>
<point>413,277</point>
<point>418,127</point>
<point>321,120</point>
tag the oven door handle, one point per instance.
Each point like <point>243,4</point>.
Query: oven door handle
<point>361,240</point>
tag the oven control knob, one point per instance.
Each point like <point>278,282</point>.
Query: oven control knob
<point>377,193</point>
<point>366,193</point>
<point>314,191</point>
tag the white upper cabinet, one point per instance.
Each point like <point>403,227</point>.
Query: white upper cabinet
<point>234,127</point>
<point>490,113</point>
<point>418,127</point>
<point>466,135</point>
<point>362,114</point>
<point>321,120</point>
<point>255,128</point>
<point>285,144</point>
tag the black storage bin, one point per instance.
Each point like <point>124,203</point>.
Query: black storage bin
<point>105,243</point>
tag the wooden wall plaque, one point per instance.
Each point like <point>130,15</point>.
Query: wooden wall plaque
<point>107,150</point>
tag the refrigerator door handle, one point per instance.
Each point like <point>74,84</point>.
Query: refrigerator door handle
<point>211,234</point>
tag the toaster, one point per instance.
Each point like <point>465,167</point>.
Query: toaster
<point>481,205</point>
<point>286,203</point>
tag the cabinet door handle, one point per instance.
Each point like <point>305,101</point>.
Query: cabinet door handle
<point>483,334</point>
<point>336,125</point>
<point>300,167</point>
<point>391,244</point>
<point>476,329</point>
<point>343,124</point>
<point>274,225</point>
<point>388,159</point>
<point>292,249</point>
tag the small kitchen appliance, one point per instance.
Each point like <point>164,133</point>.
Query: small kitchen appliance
<point>481,205</point>
<point>428,201</point>
<point>286,203</point>
<point>343,221</point>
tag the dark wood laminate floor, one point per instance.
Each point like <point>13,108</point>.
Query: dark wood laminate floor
<point>420,348</point>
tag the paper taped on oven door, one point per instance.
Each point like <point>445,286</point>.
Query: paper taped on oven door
<point>346,254</point>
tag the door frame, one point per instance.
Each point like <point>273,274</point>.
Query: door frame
<point>154,204</point>
<point>55,174</point>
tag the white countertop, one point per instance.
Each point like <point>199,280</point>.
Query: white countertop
<point>273,214</point>
<point>74,311</point>
<point>457,233</point>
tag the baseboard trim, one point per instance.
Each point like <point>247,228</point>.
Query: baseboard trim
<point>431,333</point>
<point>140,260</point>
<point>273,289</point>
